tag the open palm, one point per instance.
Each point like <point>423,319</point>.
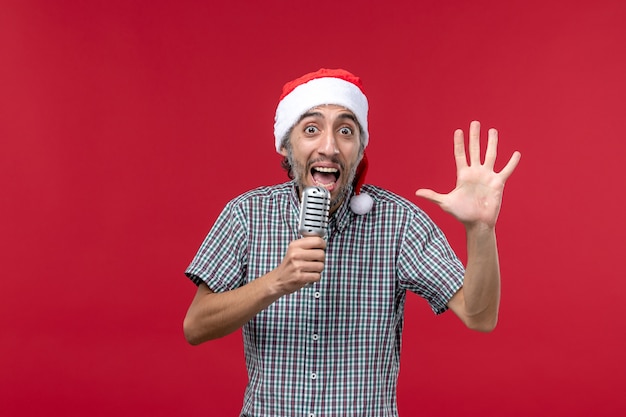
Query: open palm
<point>477,197</point>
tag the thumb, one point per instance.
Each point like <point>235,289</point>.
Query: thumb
<point>429,195</point>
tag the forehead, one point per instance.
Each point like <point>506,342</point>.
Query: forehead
<point>330,111</point>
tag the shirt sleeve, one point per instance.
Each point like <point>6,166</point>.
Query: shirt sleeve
<point>427,265</point>
<point>221,261</point>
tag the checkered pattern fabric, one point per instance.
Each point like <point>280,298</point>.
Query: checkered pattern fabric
<point>332,348</point>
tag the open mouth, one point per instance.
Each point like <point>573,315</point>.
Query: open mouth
<point>325,176</point>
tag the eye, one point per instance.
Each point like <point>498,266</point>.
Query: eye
<point>311,130</point>
<point>345,131</point>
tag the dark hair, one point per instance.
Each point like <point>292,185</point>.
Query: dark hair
<point>286,143</point>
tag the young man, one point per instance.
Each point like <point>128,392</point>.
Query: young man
<point>322,318</point>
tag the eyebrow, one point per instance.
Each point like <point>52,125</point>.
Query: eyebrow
<point>309,114</point>
<point>319,114</point>
<point>349,116</point>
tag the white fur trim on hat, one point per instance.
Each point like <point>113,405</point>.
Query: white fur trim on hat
<point>317,92</point>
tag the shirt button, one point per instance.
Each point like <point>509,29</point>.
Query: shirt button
<point>313,375</point>
<point>311,414</point>
<point>317,294</point>
<point>315,337</point>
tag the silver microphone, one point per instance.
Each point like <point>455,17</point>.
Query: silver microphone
<point>314,208</point>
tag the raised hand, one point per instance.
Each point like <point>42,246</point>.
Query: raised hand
<point>477,197</point>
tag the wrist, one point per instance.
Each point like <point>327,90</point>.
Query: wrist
<point>479,228</point>
<point>270,287</point>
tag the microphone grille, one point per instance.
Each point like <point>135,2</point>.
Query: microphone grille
<point>314,209</point>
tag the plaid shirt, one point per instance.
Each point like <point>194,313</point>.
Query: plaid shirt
<point>331,348</point>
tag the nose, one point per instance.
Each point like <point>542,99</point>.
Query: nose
<point>328,144</point>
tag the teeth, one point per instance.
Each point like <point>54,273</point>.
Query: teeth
<point>332,184</point>
<point>324,169</point>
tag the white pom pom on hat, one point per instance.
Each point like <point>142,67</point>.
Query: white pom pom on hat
<point>361,203</point>
<point>326,86</point>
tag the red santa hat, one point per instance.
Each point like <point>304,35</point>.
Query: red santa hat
<point>326,86</point>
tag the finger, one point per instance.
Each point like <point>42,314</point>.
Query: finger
<point>492,149</point>
<point>312,277</point>
<point>430,195</point>
<point>474,143</point>
<point>310,242</point>
<point>312,255</point>
<point>511,165</point>
<point>314,267</point>
<point>459,150</point>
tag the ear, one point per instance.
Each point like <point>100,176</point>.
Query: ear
<point>283,151</point>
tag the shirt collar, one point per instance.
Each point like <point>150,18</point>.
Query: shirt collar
<point>343,215</point>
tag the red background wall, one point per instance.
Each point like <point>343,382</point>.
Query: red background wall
<point>125,126</point>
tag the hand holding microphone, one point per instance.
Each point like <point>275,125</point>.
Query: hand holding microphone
<point>304,261</point>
